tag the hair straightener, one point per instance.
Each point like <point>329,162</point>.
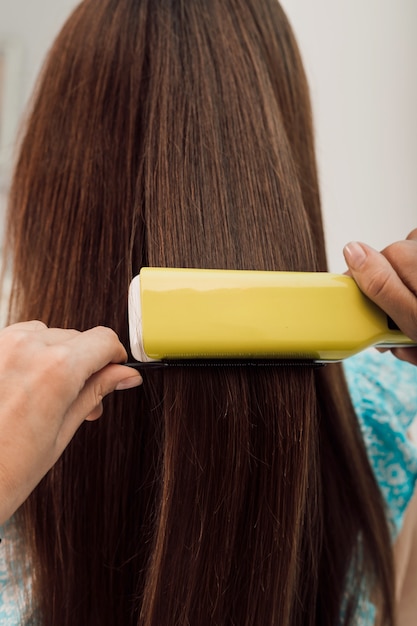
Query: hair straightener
<point>235,317</point>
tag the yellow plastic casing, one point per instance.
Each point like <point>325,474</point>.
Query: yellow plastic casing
<point>205,314</point>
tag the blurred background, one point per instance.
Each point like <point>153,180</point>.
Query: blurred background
<point>361,61</point>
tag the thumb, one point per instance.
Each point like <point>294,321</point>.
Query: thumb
<point>88,404</point>
<point>111,378</point>
<point>378,280</point>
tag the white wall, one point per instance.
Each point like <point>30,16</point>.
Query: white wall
<point>32,25</point>
<point>361,59</point>
<point>35,23</point>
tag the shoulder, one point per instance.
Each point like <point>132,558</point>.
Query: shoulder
<point>384,395</point>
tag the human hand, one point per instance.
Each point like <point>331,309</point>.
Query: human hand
<point>51,380</point>
<point>389,278</point>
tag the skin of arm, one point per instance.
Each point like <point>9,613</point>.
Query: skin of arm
<point>51,380</point>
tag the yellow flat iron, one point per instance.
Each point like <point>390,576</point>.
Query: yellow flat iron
<point>200,316</point>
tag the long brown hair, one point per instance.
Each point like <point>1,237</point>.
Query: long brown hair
<point>178,133</point>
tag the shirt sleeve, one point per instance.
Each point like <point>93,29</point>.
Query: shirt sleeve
<point>384,395</point>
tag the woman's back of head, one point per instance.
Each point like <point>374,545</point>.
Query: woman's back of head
<point>178,133</point>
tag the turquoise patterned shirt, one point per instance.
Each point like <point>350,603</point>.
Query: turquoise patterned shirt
<point>384,394</point>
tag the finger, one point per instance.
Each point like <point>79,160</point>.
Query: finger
<point>406,354</point>
<point>59,372</point>
<point>26,342</point>
<point>402,255</point>
<point>88,403</point>
<point>95,414</point>
<point>413,235</point>
<point>51,336</point>
<point>377,278</point>
<point>94,349</point>
<point>56,335</point>
<point>33,325</point>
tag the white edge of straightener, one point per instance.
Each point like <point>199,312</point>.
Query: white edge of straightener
<point>135,321</point>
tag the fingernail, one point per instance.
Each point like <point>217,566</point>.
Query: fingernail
<point>129,383</point>
<point>354,254</point>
